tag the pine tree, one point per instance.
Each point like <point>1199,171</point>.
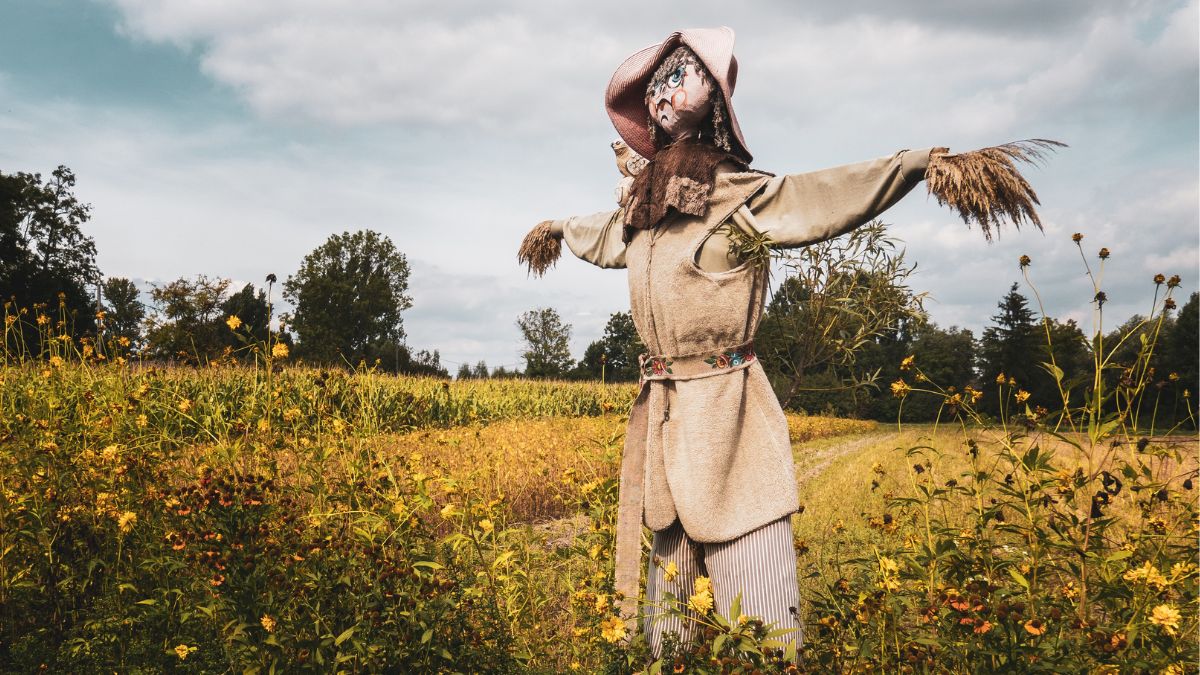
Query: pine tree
<point>1012,346</point>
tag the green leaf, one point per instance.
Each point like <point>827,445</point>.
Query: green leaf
<point>1018,577</point>
<point>1119,555</point>
<point>427,635</point>
<point>719,642</point>
<point>346,636</point>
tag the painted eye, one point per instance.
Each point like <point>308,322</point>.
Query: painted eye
<point>676,77</point>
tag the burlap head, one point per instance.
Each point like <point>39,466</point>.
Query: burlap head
<point>625,99</point>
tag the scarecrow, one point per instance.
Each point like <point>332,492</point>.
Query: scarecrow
<point>708,463</point>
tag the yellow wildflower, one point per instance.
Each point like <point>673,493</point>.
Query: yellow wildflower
<point>182,651</point>
<point>56,361</point>
<point>907,362</point>
<point>487,526</point>
<point>42,319</point>
<point>268,623</point>
<point>670,571</point>
<point>1167,617</point>
<point>449,511</point>
<point>1022,396</point>
<point>1035,627</point>
<point>1001,378</point>
<point>701,602</point>
<point>703,585</point>
<point>279,351</point>
<point>602,604</point>
<point>900,388</point>
<point>126,522</point>
<point>612,629</point>
<point>142,421</point>
<point>233,322</point>
<point>1147,574</point>
<point>185,405</point>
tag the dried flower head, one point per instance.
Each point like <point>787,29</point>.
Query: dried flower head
<point>1024,261</point>
<point>1077,237</point>
<point>1159,279</point>
<point>540,249</point>
<point>985,187</point>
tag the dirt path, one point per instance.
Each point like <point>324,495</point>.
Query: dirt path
<point>817,456</point>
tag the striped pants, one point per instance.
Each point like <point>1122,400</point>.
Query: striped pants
<point>760,565</point>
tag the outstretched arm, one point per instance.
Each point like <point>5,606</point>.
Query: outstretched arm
<point>596,238</point>
<point>806,208</point>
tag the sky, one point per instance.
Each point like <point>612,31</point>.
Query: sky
<point>230,138</point>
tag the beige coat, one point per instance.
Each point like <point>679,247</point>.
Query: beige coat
<point>707,441</point>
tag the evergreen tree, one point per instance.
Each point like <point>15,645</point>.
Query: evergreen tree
<point>1181,355</point>
<point>615,354</point>
<point>1012,346</point>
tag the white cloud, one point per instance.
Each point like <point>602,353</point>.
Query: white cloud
<point>453,129</point>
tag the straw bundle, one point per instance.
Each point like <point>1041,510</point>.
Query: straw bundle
<point>984,186</point>
<point>540,249</point>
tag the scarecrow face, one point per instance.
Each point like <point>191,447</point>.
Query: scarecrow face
<point>680,95</point>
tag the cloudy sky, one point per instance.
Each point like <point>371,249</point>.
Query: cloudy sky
<point>230,138</point>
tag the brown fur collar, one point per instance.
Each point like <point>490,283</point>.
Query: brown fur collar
<point>678,180</point>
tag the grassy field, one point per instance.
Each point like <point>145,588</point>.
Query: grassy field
<point>260,520</point>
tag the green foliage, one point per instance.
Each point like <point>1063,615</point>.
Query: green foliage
<point>614,357</point>
<point>188,322</point>
<point>365,278</point>
<point>837,296</point>
<point>1182,353</point>
<point>1048,541</point>
<point>547,350</point>
<point>123,308</point>
<point>44,255</point>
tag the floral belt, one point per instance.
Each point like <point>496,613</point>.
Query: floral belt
<point>694,366</point>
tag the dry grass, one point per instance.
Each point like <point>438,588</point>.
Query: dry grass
<point>540,249</point>
<point>985,187</point>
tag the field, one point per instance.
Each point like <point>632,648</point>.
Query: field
<point>290,519</point>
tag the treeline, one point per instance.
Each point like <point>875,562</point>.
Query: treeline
<point>347,296</point>
<point>1014,346</point>
<point>834,339</point>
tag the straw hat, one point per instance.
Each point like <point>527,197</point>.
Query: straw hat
<point>625,99</point>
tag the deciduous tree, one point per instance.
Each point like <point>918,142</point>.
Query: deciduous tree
<point>348,296</point>
<point>43,249</point>
<point>124,310</point>
<point>547,350</point>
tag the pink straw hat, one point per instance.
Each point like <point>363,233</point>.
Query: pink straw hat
<point>625,99</point>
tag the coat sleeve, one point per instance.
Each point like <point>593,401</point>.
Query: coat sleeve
<point>806,208</point>
<point>597,238</point>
